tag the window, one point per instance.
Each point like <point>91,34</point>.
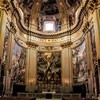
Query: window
<point>49,26</point>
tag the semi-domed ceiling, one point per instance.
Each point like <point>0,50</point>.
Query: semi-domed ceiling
<point>64,16</point>
<point>49,22</point>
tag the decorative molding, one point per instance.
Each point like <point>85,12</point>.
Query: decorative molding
<point>49,48</point>
<point>31,44</point>
<point>12,28</point>
<point>5,6</point>
<point>67,44</point>
<point>93,5</point>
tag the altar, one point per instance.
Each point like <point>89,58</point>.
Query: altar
<point>48,94</point>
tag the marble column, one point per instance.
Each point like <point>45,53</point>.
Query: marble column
<point>31,69</point>
<point>67,69</point>
<point>96,20</point>
<point>3,17</point>
<point>89,62</point>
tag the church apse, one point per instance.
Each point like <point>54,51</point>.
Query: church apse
<point>49,70</point>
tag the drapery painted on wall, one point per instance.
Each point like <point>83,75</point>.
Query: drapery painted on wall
<point>48,69</point>
<point>79,63</point>
<point>18,64</point>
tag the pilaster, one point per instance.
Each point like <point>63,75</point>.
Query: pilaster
<point>31,69</point>
<point>67,69</point>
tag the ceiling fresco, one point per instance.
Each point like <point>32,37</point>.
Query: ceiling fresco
<point>49,7</point>
<point>26,3</point>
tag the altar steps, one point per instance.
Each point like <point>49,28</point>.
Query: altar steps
<point>29,98</point>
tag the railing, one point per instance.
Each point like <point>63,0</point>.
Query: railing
<point>54,95</point>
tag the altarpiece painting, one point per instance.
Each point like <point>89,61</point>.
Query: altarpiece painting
<point>48,69</point>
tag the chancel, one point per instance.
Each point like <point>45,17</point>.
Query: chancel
<point>49,49</point>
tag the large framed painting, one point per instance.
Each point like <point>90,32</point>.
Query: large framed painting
<point>18,64</point>
<point>80,63</point>
<point>48,69</point>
